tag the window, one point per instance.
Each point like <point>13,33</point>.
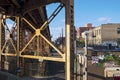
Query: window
<point>118,41</point>
<point>118,30</point>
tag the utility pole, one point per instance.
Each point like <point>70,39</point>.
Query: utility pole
<point>62,41</point>
<point>85,77</point>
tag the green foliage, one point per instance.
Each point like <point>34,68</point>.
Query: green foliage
<point>101,63</point>
<point>118,62</point>
<point>109,58</point>
<point>80,43</point>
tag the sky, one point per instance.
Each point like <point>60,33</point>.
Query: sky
<point>96,12</point>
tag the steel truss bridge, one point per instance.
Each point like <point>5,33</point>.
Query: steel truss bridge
<point>30,32</point>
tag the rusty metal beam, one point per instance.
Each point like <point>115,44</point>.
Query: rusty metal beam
<point>16,3</point>
<point>38,45</point>
<point>68,55</point>
<point>32,18</point>
<point>31,5</point>
<point>69,39</point>
<point>5,2</point>
<point>40,9</point>
<point>18,41</point>
<point>0,36</point>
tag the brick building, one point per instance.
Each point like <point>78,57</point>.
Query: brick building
<point>82,29</point>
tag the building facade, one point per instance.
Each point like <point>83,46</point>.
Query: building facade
<point>106,34</point>
<point>82,29</point>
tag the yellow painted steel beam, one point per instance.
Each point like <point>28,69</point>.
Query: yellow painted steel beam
<point>29,23</point>
<point>4,44</point>
<point>8,37</point>
<point>69,39</point>
<point>28,44</point>
<point>50,43</point>
<point>13,45</point>
<point>44,25</point>
<point>68,74</point>
<point>44,58</point>
<point>37,34</point>
<point>4,24</point>
<point>8,54</point>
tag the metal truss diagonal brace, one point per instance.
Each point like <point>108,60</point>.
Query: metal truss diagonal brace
<point>6,26</point>
<point>29,23</point>
<point>52,45</point>
<point>58,9</point>
<point>28,44</point>
<point>4,44</point>
<point>13,45</point>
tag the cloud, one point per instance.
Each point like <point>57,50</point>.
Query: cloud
<point>104,19</point>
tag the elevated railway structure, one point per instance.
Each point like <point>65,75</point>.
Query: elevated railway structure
<point>29,39</point>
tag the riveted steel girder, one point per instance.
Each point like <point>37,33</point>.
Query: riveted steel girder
<point>27,22</point>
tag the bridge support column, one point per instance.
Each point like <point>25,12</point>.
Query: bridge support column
<point>2,41</point>
<point>69,39</point>
<point>18,43</point>
<point>0,38</point>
